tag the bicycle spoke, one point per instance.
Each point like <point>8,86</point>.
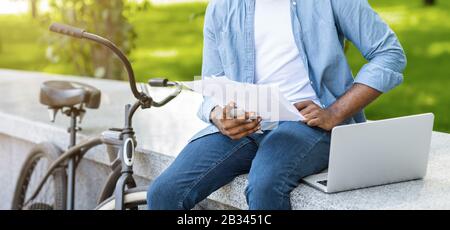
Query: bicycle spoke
<point>45,198</point>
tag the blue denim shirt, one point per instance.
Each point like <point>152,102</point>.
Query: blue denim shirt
<point>320,28</point>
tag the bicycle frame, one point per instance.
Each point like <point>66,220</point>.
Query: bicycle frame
<point>126,141</point>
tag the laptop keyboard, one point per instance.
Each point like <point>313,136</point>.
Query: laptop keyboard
<point>323,182</point>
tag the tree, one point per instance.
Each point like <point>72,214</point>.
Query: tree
<point>34,8</point>
<point>429,2</point>
<point>103,17</point>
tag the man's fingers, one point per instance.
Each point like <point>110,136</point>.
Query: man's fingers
<point>238,130</point>
<point>251,116</point>
<point>232,112</point>
<point>231,104</point>
<point>242,115</point>
<point>249,132</point>
<point>242,135</point>
<point>309,109</point>
<point>233,123</point>
<point>243,128</point>
<point>313,114</point>
<point>314,122</point>
<point>227,111</point>
<point>217,113</point>
<point>301,105</point>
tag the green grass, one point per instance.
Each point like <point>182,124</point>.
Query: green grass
<point>21,46</point>
<point>425,35</point>
<point>169,44</point>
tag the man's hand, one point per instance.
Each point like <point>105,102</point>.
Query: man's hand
<point>234,127</point>
<point>316,116</point>
<point>354,100</point>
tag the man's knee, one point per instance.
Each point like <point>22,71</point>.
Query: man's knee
<point>267,186</point>
<point>269,193</point>
<point>161,195</point>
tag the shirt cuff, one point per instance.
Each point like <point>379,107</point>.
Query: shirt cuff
<point>205,109</point>
<point>378,77</point>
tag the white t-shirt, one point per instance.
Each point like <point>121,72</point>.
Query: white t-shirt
<point>278,59</point>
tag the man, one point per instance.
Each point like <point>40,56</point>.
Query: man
<point>298,45</point>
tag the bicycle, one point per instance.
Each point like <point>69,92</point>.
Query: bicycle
<point>55,189</point>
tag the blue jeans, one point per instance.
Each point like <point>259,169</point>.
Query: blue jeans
<point>275,161</point>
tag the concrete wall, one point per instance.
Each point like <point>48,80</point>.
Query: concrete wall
<point>90,176</point>
<point>161,134</point>
<point>12,154</point>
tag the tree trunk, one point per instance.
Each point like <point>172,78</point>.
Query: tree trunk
<point>104,17</point>
<point>34,8</point>
<point>429,2</point>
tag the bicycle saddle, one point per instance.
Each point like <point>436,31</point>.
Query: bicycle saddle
<point>58,94</point>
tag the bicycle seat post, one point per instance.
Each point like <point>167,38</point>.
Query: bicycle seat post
<point>74,113</point>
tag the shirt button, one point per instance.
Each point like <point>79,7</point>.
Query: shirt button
<point>294,3</point>
<point>311,83</point>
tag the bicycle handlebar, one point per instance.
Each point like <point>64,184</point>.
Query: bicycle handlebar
<point>82,34</point>
<point>158,82</point>
<point>67,30</point>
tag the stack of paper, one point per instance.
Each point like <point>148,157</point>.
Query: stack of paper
<point>265,100</point>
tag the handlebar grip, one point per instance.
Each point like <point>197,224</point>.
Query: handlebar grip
<point>67,30</point>
<point>158,82</point>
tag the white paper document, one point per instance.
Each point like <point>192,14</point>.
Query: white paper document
<point>265,100</point>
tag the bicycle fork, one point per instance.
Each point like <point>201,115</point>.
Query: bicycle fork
<point>126,155</point>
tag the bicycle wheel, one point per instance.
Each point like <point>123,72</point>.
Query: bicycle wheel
<point>52,196</point>
<point>110,185</point>
<point>135,198</point>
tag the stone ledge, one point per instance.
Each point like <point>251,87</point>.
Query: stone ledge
<point>162,133</point>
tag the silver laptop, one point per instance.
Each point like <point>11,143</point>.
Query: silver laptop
<point>376,153</point>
